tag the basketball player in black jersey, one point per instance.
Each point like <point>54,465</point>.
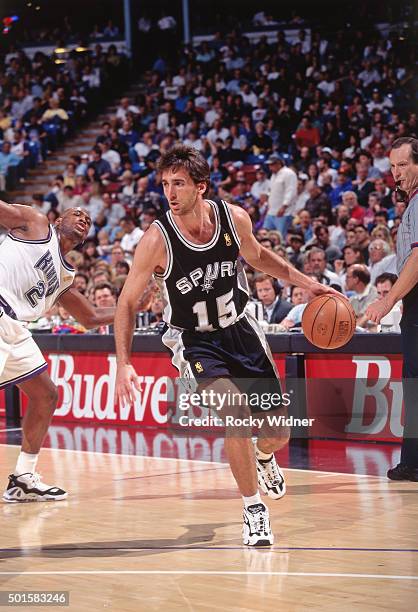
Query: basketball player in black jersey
<point>192,251</point>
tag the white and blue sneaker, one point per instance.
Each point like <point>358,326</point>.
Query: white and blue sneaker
<point>270,477</point>
<point>256,530</point>
<point>28,487</point>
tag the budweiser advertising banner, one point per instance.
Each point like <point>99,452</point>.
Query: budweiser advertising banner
<point>86,387</point>
<point>347,396</point>
<point>355,396</point>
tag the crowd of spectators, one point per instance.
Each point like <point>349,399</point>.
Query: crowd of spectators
<point>43,100</point>
<point>297,133</point>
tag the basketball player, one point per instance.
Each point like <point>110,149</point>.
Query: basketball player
<point>192,251</point>
<point>34,275</point>
<point>404,165</point>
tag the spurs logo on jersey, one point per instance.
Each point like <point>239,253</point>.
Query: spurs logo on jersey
<point>206,279</point>
<point>204,287</point>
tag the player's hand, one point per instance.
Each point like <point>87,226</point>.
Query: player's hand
<point>126,381</point>
<point>378,309</point>
<point>320,289</point>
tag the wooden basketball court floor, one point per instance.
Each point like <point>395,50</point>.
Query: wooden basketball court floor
<point>146,533</point>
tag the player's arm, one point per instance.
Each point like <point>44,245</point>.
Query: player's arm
<point>24,220</point>
<point>84,311</point>
<point>267,261</point>
<point>408,278</point>
<point>150,254</point>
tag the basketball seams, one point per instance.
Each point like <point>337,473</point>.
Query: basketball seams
<point>334,301</point>
<point>316,316</point>
<point>310,323</point>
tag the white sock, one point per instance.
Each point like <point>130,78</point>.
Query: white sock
<point>253,499</point>
<point>263,456</point>
<point>26,462</point>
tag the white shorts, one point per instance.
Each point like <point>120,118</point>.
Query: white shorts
<point>20,356</point>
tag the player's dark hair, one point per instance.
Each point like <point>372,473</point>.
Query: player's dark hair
<point>399,142</point>
<point>188,158</point>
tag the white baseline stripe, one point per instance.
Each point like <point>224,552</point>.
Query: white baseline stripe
<point>208,573</point>
<point>11,429</point>
<point>199,461</point>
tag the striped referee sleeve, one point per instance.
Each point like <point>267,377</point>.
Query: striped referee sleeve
<point>413,204</point>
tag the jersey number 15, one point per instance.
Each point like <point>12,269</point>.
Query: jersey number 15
<point>227,312</point>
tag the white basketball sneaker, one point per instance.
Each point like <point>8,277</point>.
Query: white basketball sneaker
<point>256,530</point>
<point>29,488</point>
<point>270,477</point>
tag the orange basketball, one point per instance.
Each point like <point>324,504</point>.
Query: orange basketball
<point>329,321</point>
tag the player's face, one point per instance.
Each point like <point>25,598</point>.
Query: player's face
<point>181,191</point>
<point>75,223</point>
<point>404,171</point>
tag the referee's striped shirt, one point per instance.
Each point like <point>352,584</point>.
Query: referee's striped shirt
<point>407,238</point>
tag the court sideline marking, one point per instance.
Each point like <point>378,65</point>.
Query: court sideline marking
<point>199,461</point>
<point>208,573</point>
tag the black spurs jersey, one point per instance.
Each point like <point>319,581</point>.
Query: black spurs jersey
<point>204,287</point>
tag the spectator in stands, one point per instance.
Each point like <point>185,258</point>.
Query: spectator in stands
<point>67,199</point>
<point>104,296</point>
<point>269,294</point>
<point>317,203</point>
<point>111,156</point>
<point>385,194</point>
<point>80,282</point>
<point>362,185</point>
<point>40,204</point>
<point>101,168</point>
<point>380,159</point>
<point>383,232</point>
<point>378,249</point>
<point>283,192</point>
<point>349,199</point>
<point>323,242</point>
<point>54,112</point>
<point>261,185</point>
<point>304,224</point>
<point>156,309</point>
<point>384,283</point>
<point>294,316</point>
<point>131,235</point>
<point>122,268</point>
<point>8,162</point>
<point>362,241</point>
<point>343,184</point>
<point>317,261</point>
<point>306,135</point>
<point>124,108</point>
<point>294,251</point>
<point>357,280</point>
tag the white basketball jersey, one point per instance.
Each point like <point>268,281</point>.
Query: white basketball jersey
<point>33,274</point>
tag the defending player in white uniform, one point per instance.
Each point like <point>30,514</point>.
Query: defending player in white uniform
<point>33,276</point>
